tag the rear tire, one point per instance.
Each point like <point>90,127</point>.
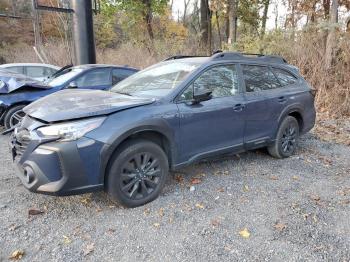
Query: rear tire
<point>137,173</point>
<point>13,116</point>
<point>286,139</point>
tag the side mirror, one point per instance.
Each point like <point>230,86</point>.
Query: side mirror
<point>72,85</point>
<point>201,95</point>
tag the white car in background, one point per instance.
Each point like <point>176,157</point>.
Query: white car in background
<point>34,70</point>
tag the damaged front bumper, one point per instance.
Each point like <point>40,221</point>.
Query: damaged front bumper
<point>58,168</point>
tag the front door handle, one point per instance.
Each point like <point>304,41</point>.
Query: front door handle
<point>238,107</point>
<point>282,99</point>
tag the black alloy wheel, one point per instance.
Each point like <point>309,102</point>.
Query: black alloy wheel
<point>137,173</point>
<point>140,175</point>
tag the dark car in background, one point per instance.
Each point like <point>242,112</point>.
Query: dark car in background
<point>165,117</point>
<point>17,91</point>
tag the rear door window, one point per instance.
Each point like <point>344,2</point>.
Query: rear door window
<point>284,77</point>
<point>120,74</point>
<point>95,78</point>
<point>259,78</point>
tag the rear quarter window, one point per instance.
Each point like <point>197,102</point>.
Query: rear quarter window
<point>258,78</point>
<point>284,77</point>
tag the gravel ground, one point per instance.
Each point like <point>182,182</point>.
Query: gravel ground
<point>292,209</point>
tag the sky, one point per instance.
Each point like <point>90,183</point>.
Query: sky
<point>178,7</point>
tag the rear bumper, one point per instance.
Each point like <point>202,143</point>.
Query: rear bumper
<point>61,169</point>
<point>309,121</point>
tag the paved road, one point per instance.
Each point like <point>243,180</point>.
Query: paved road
<point>292,209</point>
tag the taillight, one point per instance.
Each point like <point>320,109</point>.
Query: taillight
<point>313,92</point>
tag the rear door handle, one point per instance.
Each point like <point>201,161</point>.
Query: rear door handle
<point>282,99</point>
<point>238,107</point>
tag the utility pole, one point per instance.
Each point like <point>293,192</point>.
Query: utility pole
<point>83,32</point>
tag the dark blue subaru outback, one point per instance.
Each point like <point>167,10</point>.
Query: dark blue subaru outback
<point>167,116</point>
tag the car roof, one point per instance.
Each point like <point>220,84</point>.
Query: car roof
<point>29,64</point>
<point>88,66</point>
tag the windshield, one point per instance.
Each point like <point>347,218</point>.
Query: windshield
<point>156,81</point>
<point>65,77</point>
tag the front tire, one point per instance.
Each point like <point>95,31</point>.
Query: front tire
<point>286,139</point>
<point>13,116</point>
<point>137,173</point>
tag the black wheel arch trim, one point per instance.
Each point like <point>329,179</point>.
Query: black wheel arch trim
<point>156,126</point>
<point>293,108</point>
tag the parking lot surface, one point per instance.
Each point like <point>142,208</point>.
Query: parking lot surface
<point>243,207</point>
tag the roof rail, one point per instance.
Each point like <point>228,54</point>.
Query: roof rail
<point>249,56</point>
<point>180,57</point>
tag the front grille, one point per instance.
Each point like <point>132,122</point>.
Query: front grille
<point>21,141</point>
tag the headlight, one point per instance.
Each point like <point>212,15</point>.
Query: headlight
<point>70,131</point>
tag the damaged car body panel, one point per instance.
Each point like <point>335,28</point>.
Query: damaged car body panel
<point>10,82</point>
<point>75,104</point>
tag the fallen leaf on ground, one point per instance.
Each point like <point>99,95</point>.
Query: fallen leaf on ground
<point>17,255</point>
<point>195,181</point>
<point>295,178</point>
<point>156,225</point>
<point>221,189</point>
<point>315,197</point>
<point>179,178</point>
<point>244,233</point>
<point>273,177</point>
<point>245,188</point>
<point>86,201</point>
<point>110,231</point>
<point>88,249</point>
<point>161,212</point>
<point>34,212</point>
<point>215,222</point>
<point>280,227</point>
<point>66,240</point>
<point>147,211</point>
<point>199,206</point>
<point>13,227</point>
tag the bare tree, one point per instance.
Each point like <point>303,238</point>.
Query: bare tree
<point>148,17</point>
<point>204,19</point>
<point>186,4</point>
<point>331,38</point>
<point>232,21</point>
<point>266,4</point>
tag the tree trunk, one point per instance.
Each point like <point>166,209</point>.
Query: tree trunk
<point>232,21</point>
<point>218,28</point>
<point>276,16</point>
<point>331,38</point>
<point>264,18</point>
<point>204,18</point>
<point>326,7</point>
<point>147,17</point>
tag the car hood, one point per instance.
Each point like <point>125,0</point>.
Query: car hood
<point>10,82</point>
<point>74,104</point>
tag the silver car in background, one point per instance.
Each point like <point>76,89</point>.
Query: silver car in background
<point>34,70</point>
